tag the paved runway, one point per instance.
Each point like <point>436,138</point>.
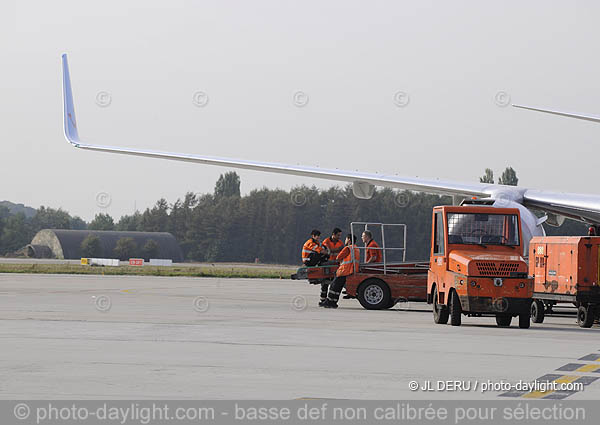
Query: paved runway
<point>152,337</point>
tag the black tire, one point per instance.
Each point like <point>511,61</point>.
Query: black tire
<point>391,303</point>
<point>455,309</point>
<point>524,320</point>
<point>374,294</point>
<point>585,316</point>
<point>440,311</point>
<point>537,311</point>
<point>503,320</point>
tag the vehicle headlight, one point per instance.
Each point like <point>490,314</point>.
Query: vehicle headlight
<point>522,285</point>
<point>473,283</point>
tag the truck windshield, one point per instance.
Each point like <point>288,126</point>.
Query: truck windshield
<point>483,229</point>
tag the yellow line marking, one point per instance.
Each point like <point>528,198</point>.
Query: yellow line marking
<point>567,379</point>
<point>537,394</point>
<point>588,368</point>
<point>562,380</point>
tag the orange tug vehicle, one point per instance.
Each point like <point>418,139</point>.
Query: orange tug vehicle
<point>377,286</point>
<point>476,265</point>
<point>566,270</point>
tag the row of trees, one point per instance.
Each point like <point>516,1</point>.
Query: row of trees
<point>269,224</point>
<point>508,177</point>
<point>17,230</point>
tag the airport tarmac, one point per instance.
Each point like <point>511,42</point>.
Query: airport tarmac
<point>130,337</point>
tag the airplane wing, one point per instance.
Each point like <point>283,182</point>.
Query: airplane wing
<point>576,206</point>
<point>564,114</point>
<point>579,207</point>
<point>430,186</point>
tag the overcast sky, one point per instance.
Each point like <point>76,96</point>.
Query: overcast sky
<point>136,66</point>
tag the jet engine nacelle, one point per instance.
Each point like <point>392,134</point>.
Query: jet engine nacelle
<point>554,220</point>
<point>363,190</point>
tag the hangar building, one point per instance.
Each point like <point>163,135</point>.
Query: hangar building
<point>66,244</point>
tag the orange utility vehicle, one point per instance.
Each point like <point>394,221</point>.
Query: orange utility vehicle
<point>565,270</point>
<point>476,265</point>
<point>377,286</point>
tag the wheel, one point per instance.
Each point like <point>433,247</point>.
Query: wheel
<point>537,311</point>
<point>374,294</point>
<point>504,320</point>
<point>440,311</point>
<point>585,316</point>
<point>524,320</point>
<point>455,310</point>
<point>391,303</point>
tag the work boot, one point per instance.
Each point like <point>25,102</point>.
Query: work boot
<point>322,302</point>
<point>330,304</point>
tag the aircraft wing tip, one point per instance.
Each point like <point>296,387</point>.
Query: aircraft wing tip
<point>69,122</point>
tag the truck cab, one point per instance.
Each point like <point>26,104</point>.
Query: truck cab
<point>476,265</point>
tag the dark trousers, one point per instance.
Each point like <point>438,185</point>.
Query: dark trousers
<point>316,259</point>
<point>336,288</point>
<point>324,289</point>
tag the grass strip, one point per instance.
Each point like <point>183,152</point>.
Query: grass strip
<point>126,270</point>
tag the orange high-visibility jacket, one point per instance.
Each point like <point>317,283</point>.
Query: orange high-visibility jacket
<point>345,259</point>
<point>334,247</point>
<point>373,251</point>
<point>309,247</point>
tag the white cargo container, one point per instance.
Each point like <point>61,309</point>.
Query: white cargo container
<point>160,262</point>
<point>110,262</point>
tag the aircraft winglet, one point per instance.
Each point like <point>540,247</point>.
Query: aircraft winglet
<point>69,122</point>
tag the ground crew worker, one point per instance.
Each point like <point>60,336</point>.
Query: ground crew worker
<point>373,254</point>
<point>334,243</point>
<point>334,246</point>
<point>349,258</point>
<point>312,251</point>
